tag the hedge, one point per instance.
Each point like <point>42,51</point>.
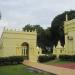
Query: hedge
<point>45,58</point>
<point>11,60</point>
<point>67,57</point>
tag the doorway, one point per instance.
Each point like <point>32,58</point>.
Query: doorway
<point>25,49</point>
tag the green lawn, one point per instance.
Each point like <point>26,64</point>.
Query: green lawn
<point>18,70</point>
<point>58,62</point>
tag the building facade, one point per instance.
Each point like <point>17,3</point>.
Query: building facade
<point>19,43</point>
<point>69,31</point>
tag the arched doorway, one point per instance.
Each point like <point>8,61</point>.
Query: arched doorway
<point>25,49</point>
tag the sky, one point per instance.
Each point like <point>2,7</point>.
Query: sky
<point>18,13</point>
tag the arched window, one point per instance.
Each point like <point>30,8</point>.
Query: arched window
<point>25,49</point>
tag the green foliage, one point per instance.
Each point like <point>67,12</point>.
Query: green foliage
<point>46,58</point>
<point>28,27</point>
<point>0,15</point>
<point>11,60</point>
<point>67,57</point>
<point>57,27</point>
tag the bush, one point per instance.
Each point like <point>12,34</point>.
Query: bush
<point>73,58</point>
<point>67,57</point>
<point>46,58</point>
<point>11,60</point>
<point>16,59</point>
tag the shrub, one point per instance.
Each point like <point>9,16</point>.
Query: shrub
<point>16,59</point>
<point>67,57</point>
<point>73,58</point>
<point>46,58</point>
<point>11,60</point>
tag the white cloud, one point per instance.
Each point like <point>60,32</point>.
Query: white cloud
<point>20,12</point>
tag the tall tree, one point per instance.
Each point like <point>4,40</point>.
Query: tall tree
<point>0,15</point>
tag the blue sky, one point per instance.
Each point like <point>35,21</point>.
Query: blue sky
<point>18,13</point>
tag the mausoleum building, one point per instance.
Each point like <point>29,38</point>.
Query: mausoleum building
<point>69,31</point>
<point>19,43</point>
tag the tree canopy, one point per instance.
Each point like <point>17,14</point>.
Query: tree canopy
<point>0,15</point>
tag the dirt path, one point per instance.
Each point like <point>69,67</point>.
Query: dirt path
<point>69,65</point>
<point>50,68</point>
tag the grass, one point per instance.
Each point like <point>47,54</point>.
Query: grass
<point>54,62</point>
<point>18,70</point>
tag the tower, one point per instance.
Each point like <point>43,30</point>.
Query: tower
<point>58,50</point>
<point>66,17</point>
<point>69,30</point>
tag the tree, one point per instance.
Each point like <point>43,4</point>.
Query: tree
<point>28,27</point>
<point>57,27</point>
<point>48,36</point>
<point>0,15</point>
<point>48,43</point>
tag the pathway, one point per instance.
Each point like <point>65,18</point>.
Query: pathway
<point>69,65</point>
<point>50,68</point>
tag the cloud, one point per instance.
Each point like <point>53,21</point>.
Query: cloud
<point>18,13</point>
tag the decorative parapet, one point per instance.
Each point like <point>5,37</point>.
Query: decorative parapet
<point>69,21</point>
<point>17,30</point>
